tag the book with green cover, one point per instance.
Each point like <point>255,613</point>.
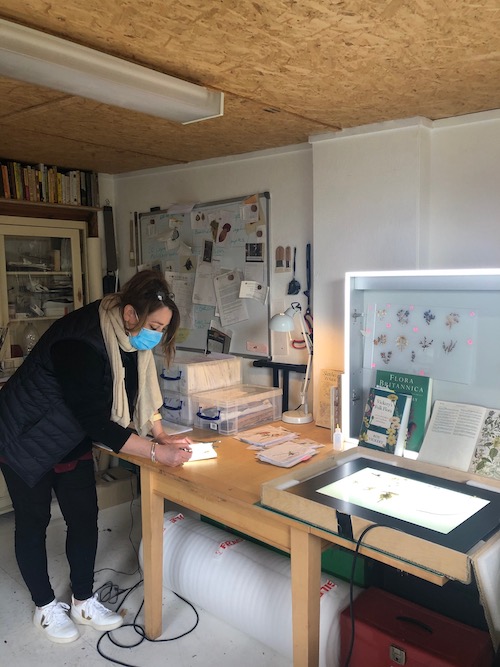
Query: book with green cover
<point>385,421</point>
<point>419,387</point>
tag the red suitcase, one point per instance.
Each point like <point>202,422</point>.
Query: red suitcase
<point>390,631</point>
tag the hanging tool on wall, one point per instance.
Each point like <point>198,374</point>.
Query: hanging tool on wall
<point>294,285</point>
<point>308,318</point>
<point>131,252</point>
<point>299,344</point>
<point>280,259</point>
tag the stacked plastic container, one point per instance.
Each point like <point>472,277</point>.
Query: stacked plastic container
<point>206,391</point>
<point>192,373</point>
<point>236,408</point>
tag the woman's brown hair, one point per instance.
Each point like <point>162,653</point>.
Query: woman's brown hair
<point>146,292</point>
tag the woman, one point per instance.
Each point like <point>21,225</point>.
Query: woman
<point>88,377</point>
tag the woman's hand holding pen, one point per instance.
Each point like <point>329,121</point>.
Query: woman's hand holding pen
<point>173,450</point>
<point>168,450</point>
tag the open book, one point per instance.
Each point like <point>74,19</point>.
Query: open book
<point>465,437</point>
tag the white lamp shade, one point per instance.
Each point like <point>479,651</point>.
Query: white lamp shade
<point>281,322</point>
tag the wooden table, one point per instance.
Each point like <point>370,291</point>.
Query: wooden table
<point>228,490</point>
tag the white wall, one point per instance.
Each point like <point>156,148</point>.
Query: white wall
<point>286,174</point>
<point>368,190</point>
<point>465,192</point>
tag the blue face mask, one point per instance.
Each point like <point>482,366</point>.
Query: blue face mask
<point>146,339</point>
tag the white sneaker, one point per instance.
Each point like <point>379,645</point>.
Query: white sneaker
<point>92,612</point>
<point>54,621</point>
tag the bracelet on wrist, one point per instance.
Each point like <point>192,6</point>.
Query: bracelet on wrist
<point>153,451</point>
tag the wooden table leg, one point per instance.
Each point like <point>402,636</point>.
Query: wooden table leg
<point>152,510</point>
<point>306,579</point>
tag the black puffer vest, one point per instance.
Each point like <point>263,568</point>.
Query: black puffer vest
<point>37,429</point>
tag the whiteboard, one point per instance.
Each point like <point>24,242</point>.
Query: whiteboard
<point>205,251</point>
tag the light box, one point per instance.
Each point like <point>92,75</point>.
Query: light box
<point>417,549</point>
<point>441,511</point>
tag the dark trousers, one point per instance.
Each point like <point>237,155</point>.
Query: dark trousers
<point>76,493</point>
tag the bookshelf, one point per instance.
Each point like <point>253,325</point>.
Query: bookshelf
<point>41,183</point>
<point>42,191</point>
<point>26,209</point>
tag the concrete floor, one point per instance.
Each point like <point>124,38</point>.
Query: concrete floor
<point>211,643</point>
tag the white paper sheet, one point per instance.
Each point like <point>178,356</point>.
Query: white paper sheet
<point>231,309</point>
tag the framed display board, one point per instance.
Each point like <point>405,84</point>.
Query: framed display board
<point>215,257</point>
<point>442,324</point>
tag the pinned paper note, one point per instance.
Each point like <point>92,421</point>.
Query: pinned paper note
<point>249,289</point>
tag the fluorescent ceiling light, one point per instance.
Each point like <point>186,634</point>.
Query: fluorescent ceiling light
<point>39,58</point>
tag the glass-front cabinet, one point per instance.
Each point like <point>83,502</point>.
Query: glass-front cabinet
<point>40,278</point>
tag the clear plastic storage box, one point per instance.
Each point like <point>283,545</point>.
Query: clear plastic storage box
<point>194,372</point>
<point>236,408</point>
<point>177,408</point>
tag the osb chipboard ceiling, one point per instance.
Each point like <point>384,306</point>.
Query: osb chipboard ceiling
<point>318,65</point>
<point>97,125</point>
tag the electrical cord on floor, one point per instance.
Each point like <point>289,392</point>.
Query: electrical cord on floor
<point>351,587</point>
<point>139,629</point>
<point>111,593</point>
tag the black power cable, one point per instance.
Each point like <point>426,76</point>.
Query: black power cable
<point>351,587</point>
<point>109,592</point>
<point>139,630</point>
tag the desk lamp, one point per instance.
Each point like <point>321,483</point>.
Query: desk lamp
<point>284,323</point>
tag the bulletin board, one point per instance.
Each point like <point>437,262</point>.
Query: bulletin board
<point>215,257</point>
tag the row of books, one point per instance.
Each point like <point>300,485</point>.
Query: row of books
<point>50,185</point>
<point>396,412</point>
<point>398,419</point>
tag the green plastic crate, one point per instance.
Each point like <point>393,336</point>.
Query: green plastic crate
<point>337,561</point>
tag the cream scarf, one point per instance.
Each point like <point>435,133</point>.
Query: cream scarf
<point>149,397</point>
